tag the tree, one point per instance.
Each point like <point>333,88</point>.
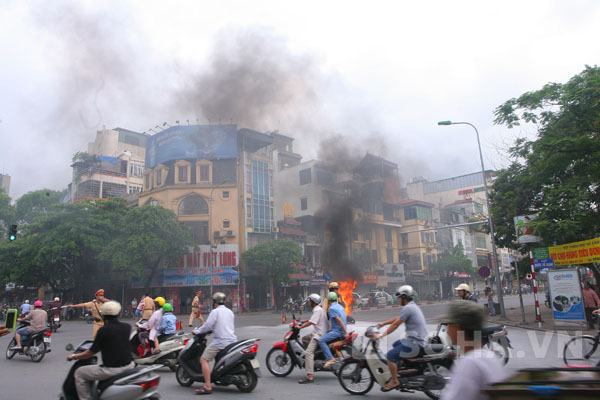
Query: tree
<point>453,261</point>
<point>556,175</point>
<point>149,237</point>
<point>7,211</point>
<point>34,204</point>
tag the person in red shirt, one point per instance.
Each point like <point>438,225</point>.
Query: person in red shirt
<point>590,303</point>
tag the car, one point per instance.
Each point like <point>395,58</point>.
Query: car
<point>382,298</point>
<point>359,301</point>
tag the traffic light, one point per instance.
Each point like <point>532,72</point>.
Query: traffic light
<point>12,235</point>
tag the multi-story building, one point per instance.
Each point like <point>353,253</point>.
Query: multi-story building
<point>218,181</point>
<point>113,166</point>
<point>5,183</point>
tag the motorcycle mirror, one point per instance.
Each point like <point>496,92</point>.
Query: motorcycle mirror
<point>69,347</point>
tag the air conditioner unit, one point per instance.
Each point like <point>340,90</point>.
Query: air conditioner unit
<point>390,245</point>
<point>275,229</point>
<point>230,234</point>
<point>217,234</point>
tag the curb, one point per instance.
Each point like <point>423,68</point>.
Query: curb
<point>531,328</point>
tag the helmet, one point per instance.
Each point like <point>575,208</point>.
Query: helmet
<point>371,331</point>
<point>405,291</point>
<point>167,307</point>
<point>315,298</point>
<point>463,286</point>
<point>110,308</point>
<point>38,303</point>
<point>219,298</point>
<point>56,299</point>
<point>466,314</point>
<point>333,285</point>
<point>332,296</point>
<point>26,301</point>
<point>160,300</point>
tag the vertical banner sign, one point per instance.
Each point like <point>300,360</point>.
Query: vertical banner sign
<point>565,295</point>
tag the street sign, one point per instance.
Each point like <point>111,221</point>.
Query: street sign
<point>543,263</point>
<point>541,252</point>
<point>484,272</point>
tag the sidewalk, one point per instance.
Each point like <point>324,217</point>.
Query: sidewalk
<point>514,318</point>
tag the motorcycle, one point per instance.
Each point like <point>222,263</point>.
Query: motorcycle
<point>493,337</point>
<point>54,318</point>
<point>428,373</point>
<point>235,365</point>
<point>290,353</point>
<point>170,346</point>
<point>133,384</point>
<point>35,346</point>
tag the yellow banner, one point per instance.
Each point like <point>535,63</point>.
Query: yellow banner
<point>584,252</point>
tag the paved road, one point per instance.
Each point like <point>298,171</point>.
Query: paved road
<point>23,379</point>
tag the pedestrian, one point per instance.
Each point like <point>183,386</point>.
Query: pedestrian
<point>320,326</point>
<point>138,309</point>
<point>148,307</point>
<point>196,309</point>
<point>478,367</point>
<point>95,305</point>
<point>590,303</point>
<point>134,305</point>
<point>490,300</point>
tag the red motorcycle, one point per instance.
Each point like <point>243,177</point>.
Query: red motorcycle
<point>290,353</point>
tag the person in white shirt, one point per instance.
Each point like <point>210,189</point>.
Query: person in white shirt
<point>221,322</point>
<point>320,327</point>
<point>478,367</point>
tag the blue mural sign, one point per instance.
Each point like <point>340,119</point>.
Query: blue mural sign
<point>191,141</point>
<point>180,277</point>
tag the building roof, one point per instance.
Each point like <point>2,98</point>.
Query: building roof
<point>408,203</point>
<point>455,182</point>
<point>254,140</point>
<point>286,230</point>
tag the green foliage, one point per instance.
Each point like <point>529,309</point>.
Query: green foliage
<point>34,204</point>
<point>7,211</point>
<point>148,237</point>
<point>276,257</point>
<point>453,261</point>
<point>557,175</point>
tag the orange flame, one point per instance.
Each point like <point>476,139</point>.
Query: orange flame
<point>346,289</point>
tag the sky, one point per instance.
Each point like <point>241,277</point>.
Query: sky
<point>376,76</point>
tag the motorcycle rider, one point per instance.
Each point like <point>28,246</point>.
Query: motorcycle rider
<point>95,305</point>
<point>112,340</point>
<point>221,322</point>
<point>334,287</point>
<point>464,292</point>
<point>337,316</point>
<point>38,318</point>
<point>169,321</point>
<point>478,367</point>
<point>25,308</point>
<point>54,307</point>
<point>153,323</point>
<point>319,320</point>
<point>416,332</point>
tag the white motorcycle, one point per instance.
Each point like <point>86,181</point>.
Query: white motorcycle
<point>170,346</point>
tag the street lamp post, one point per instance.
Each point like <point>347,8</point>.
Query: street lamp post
<point>487,200</point>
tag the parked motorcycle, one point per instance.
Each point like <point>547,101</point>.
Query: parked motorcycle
<point>428,373</point>
<point>35,346</point>
<point>494,337</point>
<point>290,353</point>
<point>235,365</point>
<point>170,346</point>
<point>133,384</point>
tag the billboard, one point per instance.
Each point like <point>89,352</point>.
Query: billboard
<point>565,295</point>
<point>191,141</point>
<point>524,231</point>
<point>394,273</point>
<point>584,252</point>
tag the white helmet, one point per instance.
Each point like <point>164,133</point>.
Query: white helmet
<point>371,331</point>
<point>56,299</point>
<point>405,291</point>
<point>315,298</point>
<point>110,308</point>
<point>26,301</point>
<point>463,286</point>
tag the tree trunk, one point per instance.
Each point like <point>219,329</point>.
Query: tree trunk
<point>152,273</point>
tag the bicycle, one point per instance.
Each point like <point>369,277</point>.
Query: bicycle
<point>582,350</point>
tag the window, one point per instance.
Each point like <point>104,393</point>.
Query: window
<point>410,213</point>
<point>148,181</point>
<point>225,194</point>
<point>374,255</point>
<point>182,173</point>
<point>226,224</point>
<point>478,208</point>
<point>158,177</point>
<point>153,202</point>
<point>324,177</point>
<point>305,176</point>
<point>367,234</point>
<point>262,189</point>
<point>389,253</point>
<point>483,261</point>
<point>199,231</point>
<point>405,239</point>
<point>418,212</point>
<point>134,189</point>
<point>355,235</point>
<point>136,169</point>
<point>194,204</point>
<point>388,235</point>
<point>204,173</point>
<point>304,203</point>
<point>480,242</point>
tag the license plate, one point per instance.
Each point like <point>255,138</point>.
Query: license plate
<point>46,340</point>
<point>255,364</point>
<point>56,319</point>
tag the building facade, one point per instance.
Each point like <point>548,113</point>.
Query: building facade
<point>5,184</point>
